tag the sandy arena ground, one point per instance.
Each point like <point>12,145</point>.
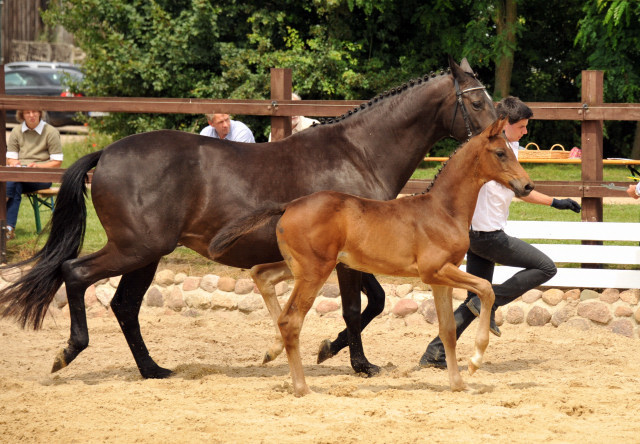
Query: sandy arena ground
<point>538,385</point>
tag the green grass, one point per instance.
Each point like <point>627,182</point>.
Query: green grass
<point>27,242</point>
<point>539,171</point>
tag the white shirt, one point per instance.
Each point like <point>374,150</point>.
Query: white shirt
<point>238,132</point>
<point>299,123</point>
<point>492,208</point>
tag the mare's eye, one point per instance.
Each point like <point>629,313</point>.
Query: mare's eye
<point>477,105</point>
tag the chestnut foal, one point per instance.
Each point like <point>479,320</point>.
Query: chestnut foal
<point>426,235</point>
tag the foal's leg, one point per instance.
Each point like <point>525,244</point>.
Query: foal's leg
<point>304,293</point>
<point>375,305</point>
<point>126,307</point>
<point>452,276</point>
<point>447,333</point>
<point>266,276</point>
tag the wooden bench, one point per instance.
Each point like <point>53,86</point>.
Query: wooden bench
<point>39,198</point>
<point>573,255</point>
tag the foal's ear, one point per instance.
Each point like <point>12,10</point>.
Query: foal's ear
<point>495,128</point>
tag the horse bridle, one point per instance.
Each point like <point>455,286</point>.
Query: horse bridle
<point>465,114</point>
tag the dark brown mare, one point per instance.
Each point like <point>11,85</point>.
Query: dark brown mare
<point>426,236</point>
<point>156,190</point>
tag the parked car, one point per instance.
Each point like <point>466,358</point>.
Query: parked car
<point>43,79</point>
<point>45,65</point>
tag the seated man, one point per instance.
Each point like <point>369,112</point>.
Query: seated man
<point>33,144</point>
<point>222,127</point>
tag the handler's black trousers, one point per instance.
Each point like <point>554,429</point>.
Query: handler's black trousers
<point>486,248</point>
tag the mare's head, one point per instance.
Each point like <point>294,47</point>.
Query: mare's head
<point>495,160</point>
<point>471,107</point>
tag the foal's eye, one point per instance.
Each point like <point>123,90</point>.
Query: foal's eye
<point>500,154</point>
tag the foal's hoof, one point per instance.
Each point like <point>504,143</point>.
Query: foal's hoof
<point>268,357</point>
<point>324,352</point>
<point>472,366</point>
<point>156,373</point>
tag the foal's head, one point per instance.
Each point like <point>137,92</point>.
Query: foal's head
<point>496,161</point>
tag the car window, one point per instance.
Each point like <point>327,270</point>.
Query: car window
<point>21,79</point>
<point>62,77</point>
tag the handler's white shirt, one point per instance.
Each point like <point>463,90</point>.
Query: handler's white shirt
<point>492,208</point>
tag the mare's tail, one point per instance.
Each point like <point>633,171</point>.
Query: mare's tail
<point>234,230</point>
<point>29,297</point>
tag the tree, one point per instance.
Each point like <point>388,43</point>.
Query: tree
<point>609,33</point>
<point>347,49</point>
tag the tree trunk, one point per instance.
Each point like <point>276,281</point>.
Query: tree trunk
<point>635,149</point>
<point>505,19</point>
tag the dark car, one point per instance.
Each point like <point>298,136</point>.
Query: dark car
<point>42,81</point>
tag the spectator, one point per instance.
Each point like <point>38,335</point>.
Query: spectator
<point>298,123</point>
<point>32,144</point>
<point>222,127</point>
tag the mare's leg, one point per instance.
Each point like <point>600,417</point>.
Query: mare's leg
<point>266,276</point>
<point>78,274</point>
<point>304,292</point>
<point>447,333</point>
<point>350,284</point>
<point>126,307</point>
<point>375,305</point>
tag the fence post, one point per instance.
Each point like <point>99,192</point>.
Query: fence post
<point>280,90</point>
<point>592,94</point>
<point>3,155</point>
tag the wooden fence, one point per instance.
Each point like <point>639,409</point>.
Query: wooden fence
<point>591,111</point>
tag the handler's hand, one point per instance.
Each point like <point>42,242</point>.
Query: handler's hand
<point>566,204</point>
<point>631,191</point>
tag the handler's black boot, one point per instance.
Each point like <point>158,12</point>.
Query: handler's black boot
<point>435,356</point>
<point>474,305</point>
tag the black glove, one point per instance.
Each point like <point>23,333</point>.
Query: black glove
<point>566,204</point>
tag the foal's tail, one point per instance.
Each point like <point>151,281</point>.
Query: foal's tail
<point>29,297</point>
<point>234,230</point>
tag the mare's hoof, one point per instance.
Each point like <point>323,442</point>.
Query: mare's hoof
<point>156,373</point>
<point>59,362</point>
<point>368,370</point>
<point>324,352</point>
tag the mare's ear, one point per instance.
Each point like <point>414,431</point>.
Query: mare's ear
<point>457,71</point>
<point>495,128</point>
<point>464,64</point>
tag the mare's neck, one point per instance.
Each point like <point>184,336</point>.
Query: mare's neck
<point>395,133</point>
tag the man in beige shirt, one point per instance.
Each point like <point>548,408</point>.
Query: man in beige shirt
<point>32,144</point>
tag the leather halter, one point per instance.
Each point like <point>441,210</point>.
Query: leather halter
<point>465,114</point>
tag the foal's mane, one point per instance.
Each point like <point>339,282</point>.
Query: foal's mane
<point>440,169</point>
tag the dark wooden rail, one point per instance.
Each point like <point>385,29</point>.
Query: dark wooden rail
<point>591,111</point>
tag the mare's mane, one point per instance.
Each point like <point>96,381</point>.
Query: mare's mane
<point>389,93</point>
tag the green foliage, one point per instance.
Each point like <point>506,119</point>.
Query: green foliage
<point>346,49</point>
<point>144,48</point>
<point>609,33</point>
